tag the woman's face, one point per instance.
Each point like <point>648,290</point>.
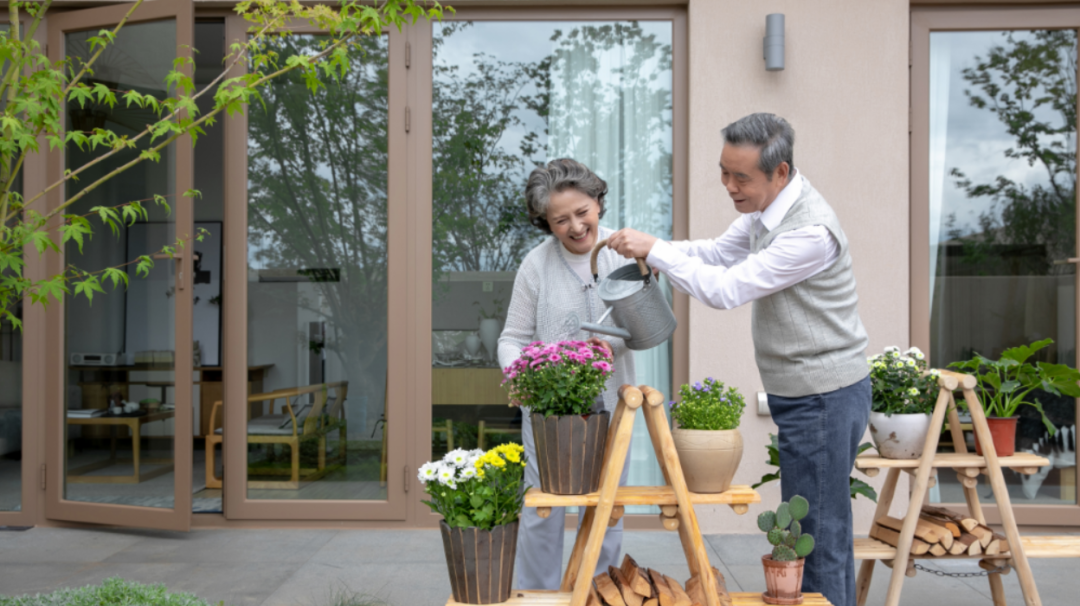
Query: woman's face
<point>574,218</point>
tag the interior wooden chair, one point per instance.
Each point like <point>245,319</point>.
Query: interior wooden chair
<point>301,418</point>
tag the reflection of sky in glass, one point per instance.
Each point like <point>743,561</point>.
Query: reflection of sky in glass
<point>972,139</point>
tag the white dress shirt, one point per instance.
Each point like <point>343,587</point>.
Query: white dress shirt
<point>724,274</point>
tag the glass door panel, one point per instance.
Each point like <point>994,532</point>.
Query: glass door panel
<point>1002,196</point>
<point>508,97</point>
<point>317,276</point>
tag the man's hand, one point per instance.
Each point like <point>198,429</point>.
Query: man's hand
<point>631,243</point>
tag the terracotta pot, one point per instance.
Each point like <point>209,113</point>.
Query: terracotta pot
<point>783,581</point>
<point>570,451</point>
<point>1003,432</point>
<point>899,436</point>
<point>709,459</point>
<point>480,562</point>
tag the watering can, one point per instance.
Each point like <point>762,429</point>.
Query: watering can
<point>635,301</point>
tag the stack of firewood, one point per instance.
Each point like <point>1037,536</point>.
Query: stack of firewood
<point>631,585</point>
<point>941,532</point>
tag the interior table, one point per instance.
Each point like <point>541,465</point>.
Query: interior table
<point>134,424</point>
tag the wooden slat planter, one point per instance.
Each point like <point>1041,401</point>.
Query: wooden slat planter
<point>480,562</point>
<point>570,452</point>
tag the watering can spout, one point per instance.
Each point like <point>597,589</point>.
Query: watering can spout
<point>574,325</point>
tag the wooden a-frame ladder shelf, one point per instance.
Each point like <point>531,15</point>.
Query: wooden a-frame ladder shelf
<point>604,508</point>
<point>968,467</point>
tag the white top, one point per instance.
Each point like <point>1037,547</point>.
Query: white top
<point>722,273</point>
<point>580,264</point>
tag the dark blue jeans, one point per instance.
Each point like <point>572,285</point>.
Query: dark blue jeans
<point>819,437</point>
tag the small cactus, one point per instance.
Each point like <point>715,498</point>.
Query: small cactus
<point>784,531</point>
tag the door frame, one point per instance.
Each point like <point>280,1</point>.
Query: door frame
<point>237,505</point>
<point>923,22</point>
<point>56,507</point>
<point>420,198</point>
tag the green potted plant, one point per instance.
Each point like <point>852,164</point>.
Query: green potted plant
<point>560,383</point>
<point>856,486</point>
<point>1006,384</point>
<point>490,327</point>
<point>706,433</point>
<point>479,495</point>
<point>904,394</point>
<point>784,566</point>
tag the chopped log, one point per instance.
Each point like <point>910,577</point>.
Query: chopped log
<point>628,594</point>
<point>941,512</point>
<point>958,548</point>
<point>890,536</point>
<point>607,590</point>
<point>694,590</point>
<point>1003,543</point>
<point>923,530</point>
<point>992,548</point>
<point>945,535</point>
<point>937,549</point>
<point>681,597</point>
<point>697,593</point>
<point>594,597</point>
<point>984,534</point>
<point>969,524</point>
<point>974,547</point>
<point>944,517</point>
<point>663,592</point>
<point>635,575</point>
<point>652,602</point>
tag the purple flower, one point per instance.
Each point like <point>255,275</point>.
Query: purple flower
<point>698,387</point>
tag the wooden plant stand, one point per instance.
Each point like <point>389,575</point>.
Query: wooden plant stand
<point>968,467</point>
<point>605,507</point>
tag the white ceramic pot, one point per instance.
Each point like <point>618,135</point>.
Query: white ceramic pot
<point>709,459</point>
<point>489,336</point>
<point>472,344</point>
<point>899,436</point>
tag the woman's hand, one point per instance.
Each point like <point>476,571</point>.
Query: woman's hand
<point>631,243</point>
<point>596,342</point>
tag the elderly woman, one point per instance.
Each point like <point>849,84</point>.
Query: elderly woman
<point>566,200</point>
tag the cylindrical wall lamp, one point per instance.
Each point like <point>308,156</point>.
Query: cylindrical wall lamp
<point>774,42</point>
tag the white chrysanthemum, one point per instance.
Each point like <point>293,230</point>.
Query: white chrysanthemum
<point>910,362</point>
<point>458,457</point>
<point>898,365</point>
<point>912,391</point>
<point>892,349</point>
<point>446,475</point>
<point>874,358</point>
<point>428,472</point>
<point>913,351</point>
<point>467,473</point>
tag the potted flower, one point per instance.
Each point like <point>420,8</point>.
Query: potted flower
<point>706,434</point>
<point>490,327</point>
<point>1006,383</point>
<point>784,566</point>
<point>904,395</point>
<point>479,495</point>
<point>559,383</point>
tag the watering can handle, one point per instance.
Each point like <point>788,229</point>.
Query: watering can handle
<point>596,272</point>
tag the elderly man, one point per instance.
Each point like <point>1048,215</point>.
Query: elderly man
<point>788,255</point>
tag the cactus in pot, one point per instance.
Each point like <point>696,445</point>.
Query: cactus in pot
<point>790,545</point>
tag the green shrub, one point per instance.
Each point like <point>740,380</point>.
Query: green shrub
<point>114,591</point>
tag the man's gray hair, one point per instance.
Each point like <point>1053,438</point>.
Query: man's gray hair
<point>771,134</point>
<point>560,175</point>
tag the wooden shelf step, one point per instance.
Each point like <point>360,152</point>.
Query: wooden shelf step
<point>643,495</point>
<point>951,460</point>
<point>1048,546</point>
<point>555,598</point>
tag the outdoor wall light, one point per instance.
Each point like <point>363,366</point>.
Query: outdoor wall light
<point>774,42</point>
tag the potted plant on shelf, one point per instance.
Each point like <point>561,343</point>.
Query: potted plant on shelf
<point>479,495</point>
<point>784,566</point>
<point>1006,383</point>
<point>560,383</point>
<point>904,394</point>
<point>490,327</point>
<point>706,434</point>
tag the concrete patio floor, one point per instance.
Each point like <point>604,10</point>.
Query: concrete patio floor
<point>402,567</point>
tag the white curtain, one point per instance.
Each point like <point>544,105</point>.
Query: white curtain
<point>610,109</point>
<point>940,74</point>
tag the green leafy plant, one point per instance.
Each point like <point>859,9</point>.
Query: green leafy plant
<point>112,592</point>
<point>707,405</point>
<point>900,383</point>
<point>473,488</point>
<point>35,90</point>
<point>496,312</point>
<point>857,487</point>
<point>563,378</point>
<point>784,531</point>
<point>1006,383</point>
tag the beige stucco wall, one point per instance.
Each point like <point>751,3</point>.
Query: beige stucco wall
<point>845,91</point>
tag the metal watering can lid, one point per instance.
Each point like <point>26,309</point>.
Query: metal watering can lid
<point>622,282</point>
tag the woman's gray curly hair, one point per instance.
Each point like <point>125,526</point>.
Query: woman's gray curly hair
<point>560,175</point>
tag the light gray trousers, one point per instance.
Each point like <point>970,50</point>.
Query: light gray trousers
<point>540,540</point>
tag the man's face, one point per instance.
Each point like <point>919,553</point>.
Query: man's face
<point>749,187</point>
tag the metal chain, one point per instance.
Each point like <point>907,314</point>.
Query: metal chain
<point>961,575</point>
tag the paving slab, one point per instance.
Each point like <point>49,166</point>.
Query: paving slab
<point>227,546</point>
<point>54,545</point>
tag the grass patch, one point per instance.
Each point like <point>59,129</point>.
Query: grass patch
<point>111,592</point>
<point>341,595</point>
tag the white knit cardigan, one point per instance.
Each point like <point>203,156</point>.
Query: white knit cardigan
<point>546,292</point>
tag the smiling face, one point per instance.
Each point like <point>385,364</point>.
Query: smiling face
<point>749,187</point>
<point>574,218</point>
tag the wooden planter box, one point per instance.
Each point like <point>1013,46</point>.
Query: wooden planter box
<point>480,562</point>
<point>570,452</point>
